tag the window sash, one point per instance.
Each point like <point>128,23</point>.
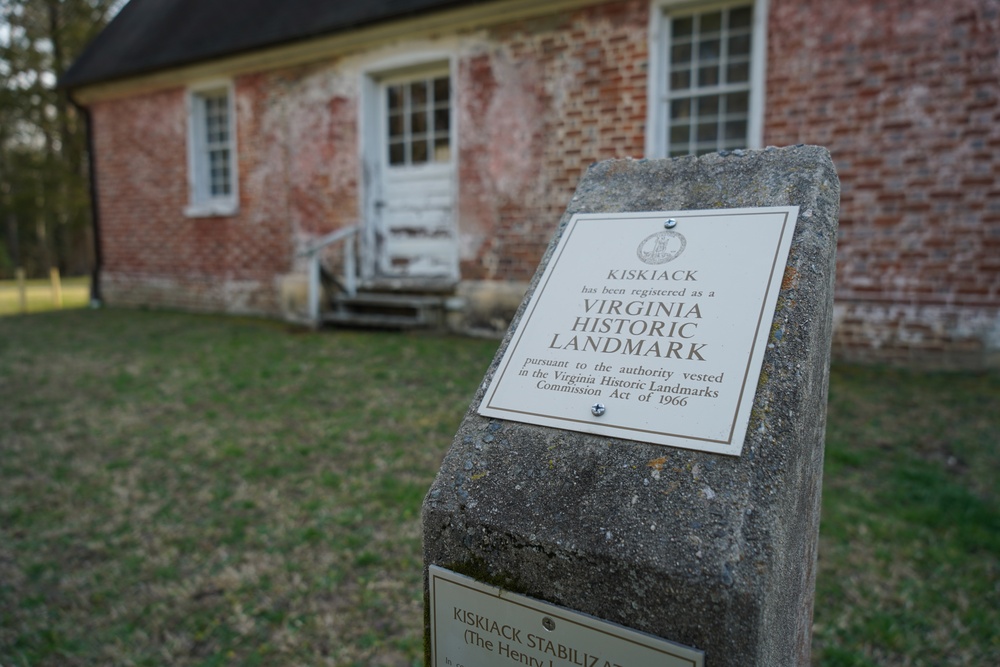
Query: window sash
<point>705,85</point>
<point>213,169</point>
<point>418,121</point>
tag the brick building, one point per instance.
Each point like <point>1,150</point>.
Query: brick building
<point>444,138</point>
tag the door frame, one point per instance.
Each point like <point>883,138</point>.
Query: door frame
<point>371,137</point>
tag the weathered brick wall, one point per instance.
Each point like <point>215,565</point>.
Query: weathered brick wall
<point>906,95</point>
<point>152,253</point>
<point>297,171</point>
<point>540,101</point>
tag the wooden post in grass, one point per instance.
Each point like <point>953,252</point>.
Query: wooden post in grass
<point>21,290</point>
<point>57,299</point>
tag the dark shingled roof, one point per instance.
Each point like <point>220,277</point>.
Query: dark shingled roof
<point>151,35</point>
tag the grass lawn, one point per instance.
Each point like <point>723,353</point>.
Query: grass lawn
<point>193,490</point>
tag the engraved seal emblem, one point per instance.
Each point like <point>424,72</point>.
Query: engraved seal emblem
<point>661,247</point>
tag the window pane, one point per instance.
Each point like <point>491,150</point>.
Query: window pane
<point>680,54</point>
<point>737,103</point>
<point>680,134</point>
<point>683,27</point>
<point>740,18</point>
<point>397,126</point>
<point>442,149</point>
<point>708,76</point>
<point>442,119</point>
<point>711,22</point>
<point>442,89</point>
<point>419,152</point>
<point>736,129</point>
<point>680,108</point>
<point>708,106</point>
<point>708,131</point>
<point>680,80</point>
<point>395,94</point>
<point>739,45</point>
<point>418,94</point>
<point>418,122</point>
<point>397,153</point>
<point>738,73</point>
<point>709,49</point>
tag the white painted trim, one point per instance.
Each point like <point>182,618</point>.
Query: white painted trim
<point>216,209</point>
<point>758,74</point>
<point>474,16</point>
<point>369,181</point>
<point>401,59</point>
<point>655,48</point>
<point>658,41</point>
<point>201,205</point>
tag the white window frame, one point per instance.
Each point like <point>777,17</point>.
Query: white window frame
<point>659,68</point>
<point>202,203</point>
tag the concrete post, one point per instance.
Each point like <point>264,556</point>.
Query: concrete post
<point>713,552</point>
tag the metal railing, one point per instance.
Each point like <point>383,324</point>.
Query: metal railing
<point>349,236</point>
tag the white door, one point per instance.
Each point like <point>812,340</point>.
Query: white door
<point>413,211</point>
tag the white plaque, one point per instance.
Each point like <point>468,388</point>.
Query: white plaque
<point>475,625</point>
<point>647,329</point>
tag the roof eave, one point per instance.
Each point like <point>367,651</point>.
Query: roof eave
<point>305,50</point>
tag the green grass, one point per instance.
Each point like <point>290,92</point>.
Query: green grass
<point>910,538</point>
<point>39,296</point>
<point>192,490</point>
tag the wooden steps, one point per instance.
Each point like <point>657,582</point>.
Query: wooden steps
<point>386,310</point>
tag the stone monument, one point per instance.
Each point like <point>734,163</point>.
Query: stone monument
<point>637,480</point>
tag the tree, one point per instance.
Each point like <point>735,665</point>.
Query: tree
<point>44,189</point>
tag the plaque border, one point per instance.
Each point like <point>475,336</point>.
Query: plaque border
<point>790,217</point>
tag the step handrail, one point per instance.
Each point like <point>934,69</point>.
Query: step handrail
<point>312,251</point>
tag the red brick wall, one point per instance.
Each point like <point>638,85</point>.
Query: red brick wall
<point>297,170</point>
<point>540,101</point>
<point>906,95</point>
<point>152,253</point>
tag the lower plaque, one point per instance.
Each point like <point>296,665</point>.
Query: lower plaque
<point>476,625</point>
